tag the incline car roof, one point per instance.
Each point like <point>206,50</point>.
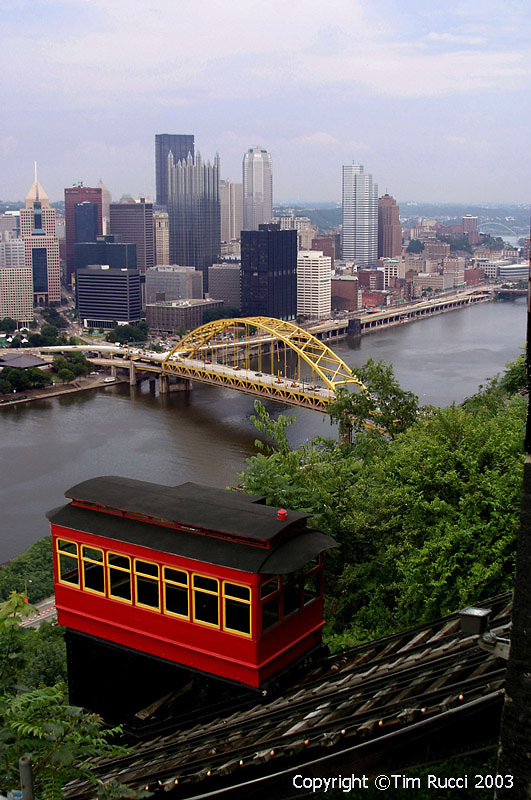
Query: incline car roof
<point>190,504</point>
<point>198,506</point>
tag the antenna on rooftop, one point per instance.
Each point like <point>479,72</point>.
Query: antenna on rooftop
<point>36,182</point>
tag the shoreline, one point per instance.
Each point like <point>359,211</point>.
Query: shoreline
<point>81,384</point>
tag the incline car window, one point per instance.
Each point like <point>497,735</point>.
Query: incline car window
<point>147,584</point>
<point>236,608</point>
<point>119,572</point>
<point>93,569</point>
<point>175,592</point>
<point>206,600</point>
<point>68,563</point>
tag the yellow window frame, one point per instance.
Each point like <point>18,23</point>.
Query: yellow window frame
<point>65,553</point>
<point>118,569</point>
<point>168,581</point>
<point>156,580</point>
<point>86,560</point>
<point>248,602</point>
<point>195,575</point>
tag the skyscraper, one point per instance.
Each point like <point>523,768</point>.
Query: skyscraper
<point>161,237</point>
<point>389,228</point>
<point>86,221</point>
<point>16,282</point>
<point>106,200</point>
<point>230,196</point>
<point>180,145</point>
<point>133,222</point>
<point>257,188</point>
<point>37,228</point>
<point>73,196</point>
<point>314,281</point>
<point>269,273</point>
<point>194,213</point>
<point>359,235</point>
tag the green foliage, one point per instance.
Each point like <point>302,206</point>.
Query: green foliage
<point>56,736</point>
<point>44,654</point>
<point>8,325</point>
<point>426,521</point>
<point>53,317</point>
<point>383,405</point>
<point>17,378</point>
<point>65,375</point>
<point>129,333</point>
<point>22,379</point>
<point>70,365</point>
<point>12,612</point>
<point>61,740</point>
<point>415,246</point>
<point>212,314</point>
<point>31,572</point>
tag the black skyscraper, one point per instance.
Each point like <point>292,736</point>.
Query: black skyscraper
<point>269,273</point>
<point>180,145</point>
<point>86,222</point>
<point>105,250</point>
<point>194,213</point>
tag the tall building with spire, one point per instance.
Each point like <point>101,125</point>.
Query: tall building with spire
<point>257,173</point>
<point>194,213</point>
<point>359,235</point>
<point>180,145</point>
<point>37,229</point>
<point>389,228</point>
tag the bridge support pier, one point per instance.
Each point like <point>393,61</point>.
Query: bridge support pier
<point>113,372</point>
<point>179,385</point>
<point>132,374</point>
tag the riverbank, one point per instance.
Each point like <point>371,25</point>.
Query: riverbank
<point>80,384</point>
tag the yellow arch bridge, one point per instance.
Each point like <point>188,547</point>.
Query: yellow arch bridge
<point>261,356</point>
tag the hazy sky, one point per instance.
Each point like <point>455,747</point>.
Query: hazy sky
<point>432,97</point>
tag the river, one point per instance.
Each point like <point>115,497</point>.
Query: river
<point>205,436</point>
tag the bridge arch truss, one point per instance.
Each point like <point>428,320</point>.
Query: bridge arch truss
<point>252,354</point>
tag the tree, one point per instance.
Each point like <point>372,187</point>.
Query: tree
<point>65,375</point>
<point>426,520</point>
<point>128,333</point>
<point>415,246</point>
<point>60,739</point>
<point>8,325</point>
<point>30,573</point>
<point>382,404</point>
<point>212,314</point>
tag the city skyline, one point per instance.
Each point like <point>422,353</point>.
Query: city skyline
<point>435,99</point>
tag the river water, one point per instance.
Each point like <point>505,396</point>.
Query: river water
<point>205,436</point>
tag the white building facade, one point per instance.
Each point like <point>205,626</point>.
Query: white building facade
<point>314,282</point>
<point>257,176</point>
<point>359,236</point>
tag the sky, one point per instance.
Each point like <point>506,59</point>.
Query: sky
<point>432,98</point>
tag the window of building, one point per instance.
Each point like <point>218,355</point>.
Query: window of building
<point>67,556</point>
<point>236,608</point>
<point>147,584</point>
<point>93,569</point>
<point>175,583</point>
<point>205,592</point>
<point>119,576</point>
